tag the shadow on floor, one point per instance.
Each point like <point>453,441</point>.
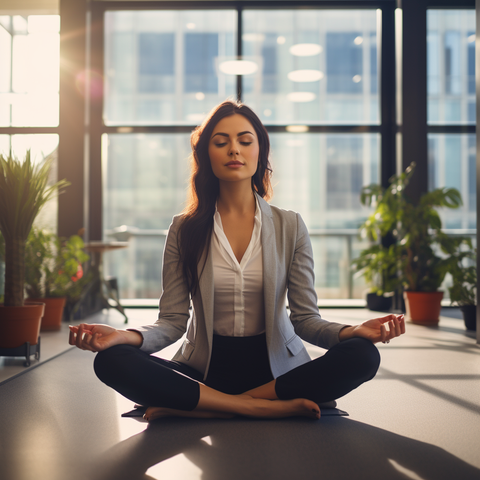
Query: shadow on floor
<point>333,448</point>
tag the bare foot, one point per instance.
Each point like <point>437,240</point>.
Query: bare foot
<point>153,413</point>
<point>299,407</point>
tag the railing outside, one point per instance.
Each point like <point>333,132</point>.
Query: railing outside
<point>138,268</point>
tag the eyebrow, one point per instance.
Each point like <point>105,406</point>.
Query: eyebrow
<point>227,135</point>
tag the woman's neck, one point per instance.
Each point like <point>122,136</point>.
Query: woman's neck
<point>235,198</point>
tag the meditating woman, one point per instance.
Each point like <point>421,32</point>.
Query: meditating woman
<point>236,259</point>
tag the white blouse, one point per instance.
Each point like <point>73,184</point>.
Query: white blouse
<point>238,287</point>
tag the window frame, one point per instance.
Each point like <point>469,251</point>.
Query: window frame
<point>386,128</point>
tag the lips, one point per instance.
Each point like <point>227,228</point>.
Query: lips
<point>234,163</point>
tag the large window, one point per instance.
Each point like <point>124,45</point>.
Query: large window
<point>451,103</point>
<point>29,92</point>
<point>311,69</point>
<point>162,67</point>
<point>316,66</point>
<point>29,70</point>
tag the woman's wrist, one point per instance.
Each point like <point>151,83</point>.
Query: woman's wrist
<point>132,337</point>
<point>346,333</point>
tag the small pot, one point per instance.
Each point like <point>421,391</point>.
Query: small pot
<point>19,325</point>
<point>423,308</point>
<point>469,316</point>
<point>52,318</point>
<point>378,303</point>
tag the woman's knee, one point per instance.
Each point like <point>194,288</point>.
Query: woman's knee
<point>109,362</point>
<point>365,356</point>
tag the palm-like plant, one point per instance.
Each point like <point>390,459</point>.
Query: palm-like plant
<point>24,190</point>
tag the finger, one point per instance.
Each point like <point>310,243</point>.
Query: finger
<point>71,337</point>
<point>82,337</point>
<point>392,333</point>
<point>94,342</point>
<point>402,323</point>
<point>386,318</point>
<point>78,339</point>
<point>383,333</point>
<point>398,330</point>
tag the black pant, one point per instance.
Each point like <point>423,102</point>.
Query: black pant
<point>238,364</point>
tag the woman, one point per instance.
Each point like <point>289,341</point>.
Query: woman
<point>236,259</point>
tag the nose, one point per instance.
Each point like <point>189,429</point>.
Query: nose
<point>234,150</point>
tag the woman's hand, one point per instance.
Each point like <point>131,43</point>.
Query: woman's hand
<point>96,337</point>
<point>376,330</point>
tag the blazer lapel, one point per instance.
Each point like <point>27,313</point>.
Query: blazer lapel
<point>269,251</point>
<point>206,287</point>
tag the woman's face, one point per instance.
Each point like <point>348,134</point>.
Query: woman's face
<point>233,149</point>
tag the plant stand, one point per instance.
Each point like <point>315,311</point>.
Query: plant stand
<point>101,283</point>
<point>23,350</point>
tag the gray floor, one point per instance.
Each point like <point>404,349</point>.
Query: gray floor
<point>418,419</point>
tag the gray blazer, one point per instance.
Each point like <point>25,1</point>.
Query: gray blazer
<point>287,272</point>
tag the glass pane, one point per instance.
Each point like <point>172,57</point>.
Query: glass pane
<point>146,179</point>
<point>323,184</point>
<point>29,66</point>
<point>315,66</point>
<point>324,181</point>
<point>162,66</point>
<point>41,146</point>
<point>452,163</point>
<point>451,66</point>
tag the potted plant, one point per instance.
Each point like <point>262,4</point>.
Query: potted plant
<point>463,291</point>
<point>422,252</point>
<point>24,190</point>
<point>377,264</point>
<point>53,267</point>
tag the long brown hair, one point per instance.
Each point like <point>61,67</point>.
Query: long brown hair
<point>197,224</point>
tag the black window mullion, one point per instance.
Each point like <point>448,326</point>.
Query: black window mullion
<point>95,129</point>
<point>239,49</point>
<point>387,95</point>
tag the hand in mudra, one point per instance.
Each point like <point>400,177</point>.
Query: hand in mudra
<point>95,337</point>
<point>381,329</point>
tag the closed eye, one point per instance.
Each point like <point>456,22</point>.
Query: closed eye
<point>220,144</point>
<point>246,143</point>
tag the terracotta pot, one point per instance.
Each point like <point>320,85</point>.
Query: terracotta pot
<point>19,325</point>
<point>52,318</point>
<point>423,307</point>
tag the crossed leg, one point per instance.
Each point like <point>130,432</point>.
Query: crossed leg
<point>215,404</point>
<point>141,378</point>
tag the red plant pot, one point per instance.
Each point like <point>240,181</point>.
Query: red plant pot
<point>19,325</point>
<point>52,318</point>
<point>423,307</point>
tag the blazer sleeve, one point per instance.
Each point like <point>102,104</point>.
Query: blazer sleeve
<point>302,298</point>
<point>174,301</point>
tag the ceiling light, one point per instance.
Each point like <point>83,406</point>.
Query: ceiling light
<point>281,40</point>
<point>358,40</point>
<point>305,49</point>
<point>305,75</point>
<point>253,37</point>
<point>297,128</point>
<point>357,78</point>
<point>199,95</point>
<point>190,26</point>
<point>301,97</point>
<point>238,67</point>
<point>471,38</point>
